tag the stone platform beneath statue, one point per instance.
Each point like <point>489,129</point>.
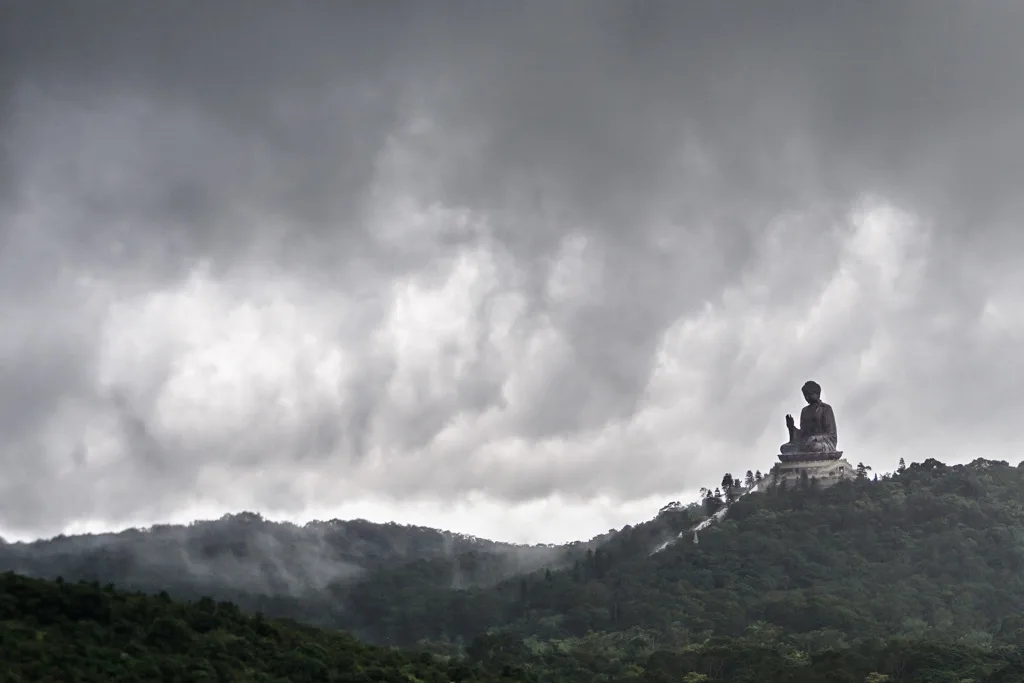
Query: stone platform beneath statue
<point>826,469</point>
<point>810,456</point>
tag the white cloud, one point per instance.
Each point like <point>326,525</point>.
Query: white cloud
<point>438,275</point>
<point>224,368</point>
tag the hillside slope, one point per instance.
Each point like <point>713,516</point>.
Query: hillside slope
<point>244,556</point>
<point>324,573</point>
<point>54,631</point>
<point>933,549</point>
<point>57,631</point>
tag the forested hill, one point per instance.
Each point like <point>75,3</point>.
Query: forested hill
<point>932,549</point>
<point>58,631</point>
<point>915,578</point>
<point>245,555</point>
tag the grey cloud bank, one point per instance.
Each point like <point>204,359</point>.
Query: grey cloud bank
<point>264,256</point>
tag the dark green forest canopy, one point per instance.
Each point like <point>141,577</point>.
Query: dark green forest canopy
<point>247,553</point>
<point>56,631</point>
<point>933,549</point>
<point>916,576</point>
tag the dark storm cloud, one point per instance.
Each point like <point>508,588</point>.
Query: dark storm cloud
<point>681,155</point>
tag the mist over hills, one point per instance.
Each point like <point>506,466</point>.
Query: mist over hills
<point>930,549</point>
<point>247,554</point>
<point>327,573</point>
<point>917,573</point>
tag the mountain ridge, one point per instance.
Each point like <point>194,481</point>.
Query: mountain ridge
<point>803,559</point>
<point>916,576</point>
<point>256,562</point>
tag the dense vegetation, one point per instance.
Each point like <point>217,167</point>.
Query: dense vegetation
<point>931,550</point>
<point>762,656</point>
<point>918,576</point>
<point>246,554</point>
<point>57,631</point>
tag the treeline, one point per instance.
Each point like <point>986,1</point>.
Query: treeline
<point>929,550</point>
<point>52,631</point>
<point>914,576</point>
<point>57,631</point>
<point>244,554</point>
<point>762,655</point>
<point>732,488</point>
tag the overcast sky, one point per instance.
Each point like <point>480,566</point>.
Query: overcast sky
<point>526,270</point>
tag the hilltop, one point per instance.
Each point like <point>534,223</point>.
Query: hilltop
<point>280,568</point>
<point>917,576</point>
<point>931,549</point>
<point>247,552</point>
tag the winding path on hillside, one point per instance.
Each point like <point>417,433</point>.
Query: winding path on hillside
<point>710,520</point>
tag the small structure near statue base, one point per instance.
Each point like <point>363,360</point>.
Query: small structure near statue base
<point>811,450</point>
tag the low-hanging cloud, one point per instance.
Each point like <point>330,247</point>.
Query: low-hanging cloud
<point>274,257</point>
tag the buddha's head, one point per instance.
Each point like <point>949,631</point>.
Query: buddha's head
<point>812,391</point>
